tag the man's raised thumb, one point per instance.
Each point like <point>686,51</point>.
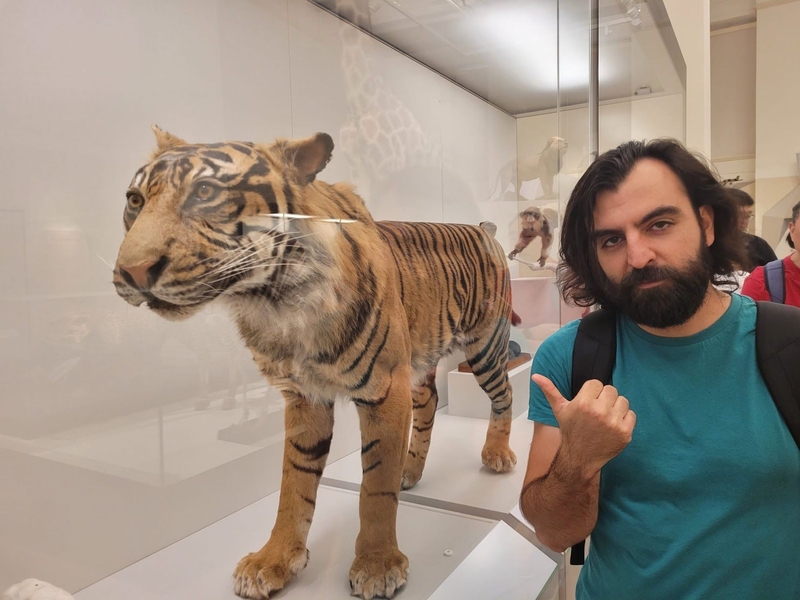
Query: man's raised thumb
<point>550,391</point>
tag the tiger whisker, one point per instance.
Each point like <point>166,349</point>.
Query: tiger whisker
<point>244,259</point>
<point>251,267</point>
<point>234,255</point>
<point>240,253</point>
<point>247,250</point>
<point>232,266</point>
<point>105,261</point>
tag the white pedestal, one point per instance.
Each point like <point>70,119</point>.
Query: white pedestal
<point>454,526</point>
<point>494,570</point>
<point>465,398</point>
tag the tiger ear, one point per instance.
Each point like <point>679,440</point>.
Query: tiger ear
<point>166,141</point>
<point>310,156</point>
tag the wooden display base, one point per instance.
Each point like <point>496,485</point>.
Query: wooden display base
<point>463,367</point>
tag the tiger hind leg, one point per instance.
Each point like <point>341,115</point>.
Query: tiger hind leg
<point>309,430</point>
<point>426,399</point>
<point>488,358</point>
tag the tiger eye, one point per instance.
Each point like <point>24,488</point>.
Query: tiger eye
<point>204,191</point>
<point>135,201</point>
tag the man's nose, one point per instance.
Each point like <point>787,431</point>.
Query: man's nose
<point>640,254</point>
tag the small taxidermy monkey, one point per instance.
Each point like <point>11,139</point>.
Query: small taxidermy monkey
<point>533,224</point>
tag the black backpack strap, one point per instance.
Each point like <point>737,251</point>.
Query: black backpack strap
<point>773,281</point>
<point>778,354</point>
<point>593,357</point>
<point>595,349</point>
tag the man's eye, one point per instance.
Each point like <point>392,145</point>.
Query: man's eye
<point>610,242</point>
<point>660,225</point>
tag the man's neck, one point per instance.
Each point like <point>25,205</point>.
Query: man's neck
<point>713,307</point>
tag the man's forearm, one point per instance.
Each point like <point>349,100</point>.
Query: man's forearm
<point>562,504</point>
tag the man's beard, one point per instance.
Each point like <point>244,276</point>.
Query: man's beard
<point>673,302</point>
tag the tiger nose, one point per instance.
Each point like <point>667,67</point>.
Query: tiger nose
<point>145,274</point>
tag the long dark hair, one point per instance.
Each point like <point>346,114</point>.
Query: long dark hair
<point>579,275</point>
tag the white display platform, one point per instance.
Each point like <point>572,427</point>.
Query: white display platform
<point>517,514</point>
<point>504,566</point>
<point>199,567</point>
<point>458,506</point>
<point>465,398</point>
<point>454,476</point>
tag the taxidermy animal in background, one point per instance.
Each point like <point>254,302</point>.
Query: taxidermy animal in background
<point>533,224</point>
<point>331,305</point>
<point>33,589</point>
<point>544,167</point>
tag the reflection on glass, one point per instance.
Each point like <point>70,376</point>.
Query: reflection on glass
<point>113,421</point>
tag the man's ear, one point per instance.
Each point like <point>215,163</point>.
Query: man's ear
<point>309,156</point>
<point>707,224</point>
<point>165,141</point>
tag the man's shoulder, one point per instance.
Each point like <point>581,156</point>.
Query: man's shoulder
<point>553,358</point>
<point>562,339</point>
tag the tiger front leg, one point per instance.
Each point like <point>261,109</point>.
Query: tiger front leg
<point>496,453</point>
<point>309,430</point>
<point>379,568</point>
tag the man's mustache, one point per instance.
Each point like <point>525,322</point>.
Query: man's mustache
<point>648,274</point>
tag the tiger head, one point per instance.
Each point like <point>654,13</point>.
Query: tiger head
<point>207,220</point>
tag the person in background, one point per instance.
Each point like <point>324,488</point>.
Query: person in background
<point>759,252</point>
<point>755,287</point>
<point>688,483</point>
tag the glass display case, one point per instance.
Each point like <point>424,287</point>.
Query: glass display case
<point>126,437</point>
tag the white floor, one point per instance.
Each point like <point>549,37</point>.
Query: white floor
<point>459,527</point>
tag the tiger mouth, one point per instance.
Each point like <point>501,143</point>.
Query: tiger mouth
<point>154,303</point>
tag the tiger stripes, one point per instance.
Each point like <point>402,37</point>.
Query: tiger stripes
<point>331,304</point>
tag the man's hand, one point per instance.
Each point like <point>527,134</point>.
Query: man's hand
<point>595,426</point>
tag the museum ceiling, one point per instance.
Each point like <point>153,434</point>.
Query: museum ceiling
<point>506,51</point>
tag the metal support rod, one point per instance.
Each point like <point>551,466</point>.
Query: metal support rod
<point>594,84</point>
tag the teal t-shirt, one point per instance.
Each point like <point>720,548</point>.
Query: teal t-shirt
<point>704,503</point>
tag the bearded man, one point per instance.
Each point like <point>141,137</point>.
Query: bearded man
<point>683,471</point>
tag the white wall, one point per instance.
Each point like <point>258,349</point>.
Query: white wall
<point>733,93</point>
<point>778,85</point>
<point>109,417</point>
<point>645,117</point>
<point>777,117</point>
<point>691,21</point>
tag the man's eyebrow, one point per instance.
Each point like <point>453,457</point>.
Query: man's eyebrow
<point>661,211</point>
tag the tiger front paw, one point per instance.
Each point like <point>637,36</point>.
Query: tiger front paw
<point>378,574</point>
<point>262,573</point>
<point>499,458</point>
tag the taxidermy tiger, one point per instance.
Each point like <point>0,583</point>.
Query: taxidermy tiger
<point>331,304</point>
